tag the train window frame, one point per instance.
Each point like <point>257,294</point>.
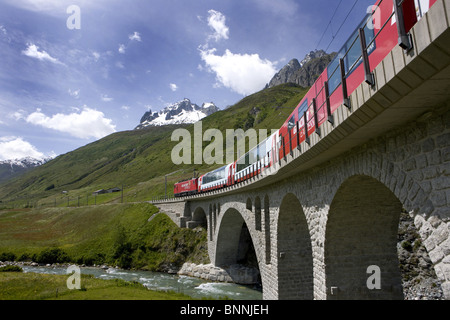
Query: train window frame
<point>214,176</point>
<point>303,107</point>
<point>333,72</point>
<point>291,122</point>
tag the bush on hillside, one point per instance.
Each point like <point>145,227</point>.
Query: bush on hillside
<point>11,269</point>
<point>52,255</point>
<point>7,256</point>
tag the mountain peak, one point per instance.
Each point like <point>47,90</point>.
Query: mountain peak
<point>303,73</point>
<point>313,55</point>
<point>13,167</point>
<point>181,112</point>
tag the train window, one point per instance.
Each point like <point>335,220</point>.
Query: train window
<point>218,174</point>
<point>351,52</point>
<point>291,122</point>
<point>262,150</point>
<point>243,162</point>
<point>334,74</point>
<point>302,109</point>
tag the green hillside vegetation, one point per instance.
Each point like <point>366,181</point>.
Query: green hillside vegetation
<point>108,234</point>
<point>138,160</point>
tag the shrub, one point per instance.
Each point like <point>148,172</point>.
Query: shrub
<point>407,245</point>
<point>24,257</point>
<point>7,256</point>
<point>52,255</point>
<point>11,269</point>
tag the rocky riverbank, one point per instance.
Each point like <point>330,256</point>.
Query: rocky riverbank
<point>235,273</point>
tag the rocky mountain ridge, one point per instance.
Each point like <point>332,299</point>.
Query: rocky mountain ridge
<point>303,73</point>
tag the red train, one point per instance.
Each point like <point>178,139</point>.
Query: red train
<point>186,188</point>
<point>386,26</point>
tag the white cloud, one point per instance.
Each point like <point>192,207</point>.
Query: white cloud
<point>105,98</point>
<point>54,7</point>
<point>216,21</point>
<point>242,73</point>
<point>33,52</point>
<point>173,87</point>
<point>74,93</point>
<point>89,123</point>
<point>16,148</point>
<point>136,36</point>
<point>96,55</point>
<point>120,65</point>
<point>17,115</point>
<point>122,49</point>
<point>126,108</point>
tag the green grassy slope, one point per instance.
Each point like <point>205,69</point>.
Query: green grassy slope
<point>107,234</point>
<point>140,159</point>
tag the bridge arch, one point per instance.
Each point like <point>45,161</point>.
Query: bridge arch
<point>361,231</point>
<point>234,242</point>
<point>295,260</point>
<point>199,218</point>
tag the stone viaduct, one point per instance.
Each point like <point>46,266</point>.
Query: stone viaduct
<point>331,209</point>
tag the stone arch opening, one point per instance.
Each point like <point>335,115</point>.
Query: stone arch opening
<point>214,217</point>
<point>234,244</point>
<point>210,222</point>
<point>249,204</point>
<point>258,214</point>
<point>199,219</point>
<point>361,260</point>
<point>268,251</point>
<point>295,261</point>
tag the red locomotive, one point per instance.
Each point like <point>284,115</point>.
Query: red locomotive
<point>186,188</point>
<point>386,26</point>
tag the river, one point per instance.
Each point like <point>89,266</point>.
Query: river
<point>194,287</point>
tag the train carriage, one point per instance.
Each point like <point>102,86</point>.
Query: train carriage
<point>216,179</point>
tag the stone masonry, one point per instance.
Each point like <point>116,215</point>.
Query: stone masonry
<point>328,225</point>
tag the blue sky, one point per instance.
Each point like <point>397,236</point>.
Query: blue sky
<point>68,78</point>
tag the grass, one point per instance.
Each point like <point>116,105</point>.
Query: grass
<point>115,234</point>
<point>33,286</point>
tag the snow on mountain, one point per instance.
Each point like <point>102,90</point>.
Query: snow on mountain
<point>312,55</point>
<point>27,162</point>
<point>182,112</point>
<point>11,168</point>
